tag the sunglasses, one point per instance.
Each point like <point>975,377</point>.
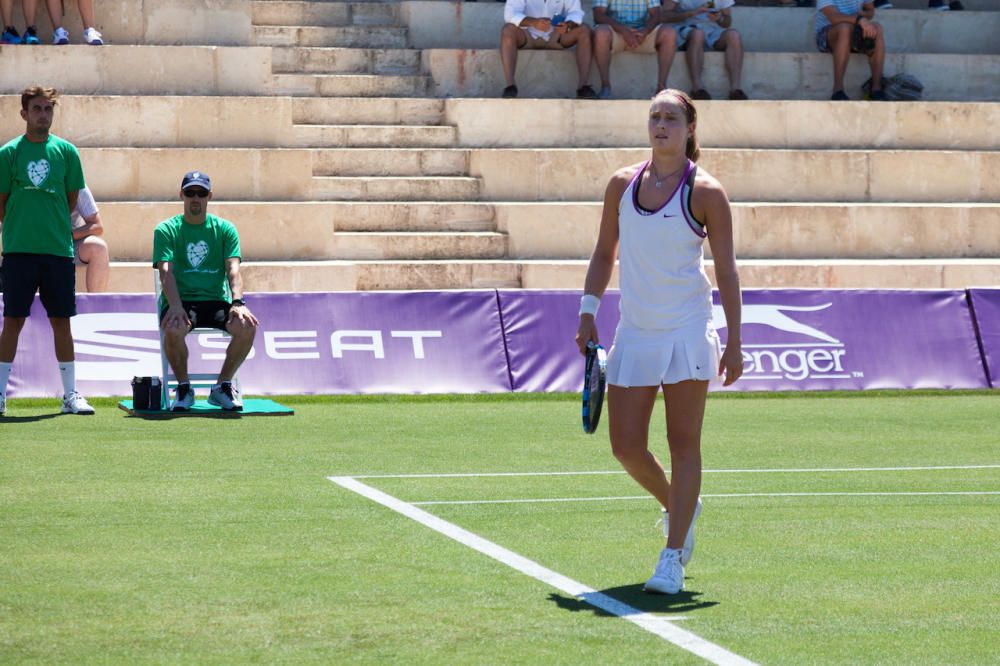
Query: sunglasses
<point>196,193</point>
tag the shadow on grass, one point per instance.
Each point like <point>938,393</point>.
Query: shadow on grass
<point>29,419</point>
<point>630,600</point>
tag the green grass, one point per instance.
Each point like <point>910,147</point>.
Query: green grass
<point>221,541</point>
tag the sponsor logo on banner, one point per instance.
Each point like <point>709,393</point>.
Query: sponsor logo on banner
<point>792,350</point>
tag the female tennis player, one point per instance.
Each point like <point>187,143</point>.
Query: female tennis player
<point>656,217</point>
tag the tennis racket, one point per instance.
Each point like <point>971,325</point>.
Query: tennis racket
<point>595,374</point>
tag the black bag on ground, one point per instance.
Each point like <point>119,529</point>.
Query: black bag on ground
<point>146,393</point>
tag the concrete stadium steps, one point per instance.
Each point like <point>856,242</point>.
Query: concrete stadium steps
<point>284,12</point>
<point>395,188</point>
<point>367,136</point>
<point>368,111</point>
<point>723,124</point>
<point>138,70</point>
<point>799,75</point>
<point>409,246</point>
<point>326,60</point>
<point>390,162</point>
<point>382,37</point>
<point>350,85</point>
<point>553,274</point>
<point>434,24</point>
<point>770,231</point>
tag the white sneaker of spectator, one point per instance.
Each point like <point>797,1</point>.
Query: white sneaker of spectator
<point>226,396</point>
<point>92,37</point>
<point>60,36</point>
<point>74,403</point>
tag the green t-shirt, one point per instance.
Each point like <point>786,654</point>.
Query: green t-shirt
<point>36,178</point>
<point>198,253</point>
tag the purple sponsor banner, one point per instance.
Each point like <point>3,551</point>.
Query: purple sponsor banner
<point>357,342</point>
<point>986,308</point>
<point>792,339</point>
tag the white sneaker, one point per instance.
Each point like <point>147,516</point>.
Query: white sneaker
<point>226,396</point>
<point>669,575</point>
<point>688,548</point>
<point>3,404</point>
<point>183,398</point>
<point>74,403</point>
<point>92,37</point>
<point>60,36</point>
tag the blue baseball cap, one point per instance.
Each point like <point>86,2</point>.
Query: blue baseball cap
<point>198,178</point>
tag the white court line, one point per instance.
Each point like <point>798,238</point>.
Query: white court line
<point>652,623</point>
<point>722,495</point>
<point>773,470</point>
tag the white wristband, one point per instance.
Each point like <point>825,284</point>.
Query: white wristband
<point>589,304</point>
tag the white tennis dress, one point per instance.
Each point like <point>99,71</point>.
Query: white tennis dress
<point>665,333</point>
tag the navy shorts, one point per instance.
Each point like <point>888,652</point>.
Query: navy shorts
<point>54,278</point>
<point>204,314</point>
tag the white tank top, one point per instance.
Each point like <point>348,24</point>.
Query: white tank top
<point>662,274</point>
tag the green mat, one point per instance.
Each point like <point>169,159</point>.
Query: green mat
<point>251,407</point>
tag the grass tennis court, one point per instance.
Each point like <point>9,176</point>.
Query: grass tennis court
<point>220,541</point>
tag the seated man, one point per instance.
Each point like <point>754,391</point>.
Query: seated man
<point>844,27</point>
<point>634,26</point>
<point>539,24</point>
<point>89,249</point>
<point>707,23</point>
<point>198,257</point>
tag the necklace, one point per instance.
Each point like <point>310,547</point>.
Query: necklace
<point>659,179</point>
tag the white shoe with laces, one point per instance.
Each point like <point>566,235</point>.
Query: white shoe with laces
<point>227,397</point>
<point>60,36</point>
<point>183,398</point>
<point>669,575</point>
<point>688,548</point>
<point>93,37</point>
<point>74,403</point>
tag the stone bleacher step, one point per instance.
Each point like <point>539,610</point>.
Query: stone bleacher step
<point>395,188</point>
<point>384,136</point>
<point>396,245</point>
<point>350,85</point>
<point>384,37</point>
<point>394,162</point>
<point>336,60</point>
<point>284,12</point>
<point>368,110</point>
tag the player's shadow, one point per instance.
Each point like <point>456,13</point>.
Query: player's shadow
<point>30,419</point>
<point>633,600</point>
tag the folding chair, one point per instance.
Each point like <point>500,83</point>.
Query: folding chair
<point>167,378</point>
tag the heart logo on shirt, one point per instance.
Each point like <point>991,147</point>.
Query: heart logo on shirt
<point>197,253</point>
<point>38,172</point>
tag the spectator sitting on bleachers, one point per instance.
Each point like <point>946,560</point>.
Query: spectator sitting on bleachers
<point>60,35</point>
<point>541,24</point>
<point>844,27</point>
<point>10,33</point>
<point>707,23</point>
<point>89,249</point>
<point>632,25</point>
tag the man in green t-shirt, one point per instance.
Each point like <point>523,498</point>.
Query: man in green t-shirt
<point>198,257</point>
<point>40,176</point>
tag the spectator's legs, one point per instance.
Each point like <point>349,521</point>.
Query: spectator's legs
<point>8,338</point>
<point>603,39</point>
<point>695,57</point>
<point>732,44</point>
<point>876,61</point>
<point>666,49</point>
<point>94,253</point>
<point>87,13</point>
<point>580,37</point>
<point>55,12</point>
<point>63,335</point>
<point>239,346</point>
<point>30,9</point>
<point>176,351</point>
<point>511,39</point>
<point>7,12</point>
<point>839,38</point>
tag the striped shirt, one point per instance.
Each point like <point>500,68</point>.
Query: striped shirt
<point>632,13</point>
<point>849,7</point>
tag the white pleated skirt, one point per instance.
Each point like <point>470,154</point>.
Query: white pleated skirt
<point>641,357</point>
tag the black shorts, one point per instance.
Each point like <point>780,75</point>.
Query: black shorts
<point>53,277</point>
<point>205,314</point>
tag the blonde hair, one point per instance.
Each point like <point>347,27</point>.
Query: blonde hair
<point>29,94</point>
<point>692,150</point>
